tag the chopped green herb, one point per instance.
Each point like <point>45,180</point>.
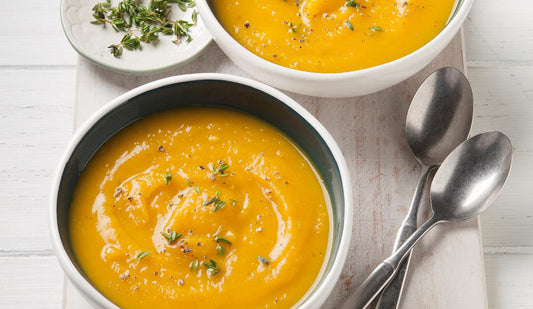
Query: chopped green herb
<point>219,171</point>
<point>116,50</point>
<point>189,182</point>
<point>197,189</point>
<point>142,255</point>
<point>348,24</point>
<point>212,268</point>
<point>233,202</point>
<point>194,265</point>
<point>220,250</point>
<point>224,240</point>
<point>210,201</point>
<point>352,3</point>
<point>219,204</point>
<point>142,24</point>
<point>222,167</point>
<point>168,178</point>
<point>194,16</point>
<point>172,237</point>
<point>376,28</point>
<point>216,201</point>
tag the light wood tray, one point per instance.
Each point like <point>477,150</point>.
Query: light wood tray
<point>447,266</point>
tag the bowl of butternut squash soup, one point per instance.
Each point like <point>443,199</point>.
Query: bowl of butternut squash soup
<point>202,191</point>
<point>333,48</point>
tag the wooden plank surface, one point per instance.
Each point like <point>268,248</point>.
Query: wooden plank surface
<point>37,67</point>
<point>369,130</point>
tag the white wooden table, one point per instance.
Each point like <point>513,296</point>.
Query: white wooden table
<point>37,75</point>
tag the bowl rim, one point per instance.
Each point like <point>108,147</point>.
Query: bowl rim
<point>326,285</point>
<point>219,33</point>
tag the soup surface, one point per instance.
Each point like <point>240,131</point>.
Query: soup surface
<point>332,35</point>
<point>200,208</point>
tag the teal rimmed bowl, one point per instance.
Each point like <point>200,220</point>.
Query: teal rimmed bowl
<point>220,90</point>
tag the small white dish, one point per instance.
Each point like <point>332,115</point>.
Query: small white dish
<point>92,41</point>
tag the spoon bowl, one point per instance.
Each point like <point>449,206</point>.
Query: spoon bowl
<point>440,116</point>
<point>471,177</point>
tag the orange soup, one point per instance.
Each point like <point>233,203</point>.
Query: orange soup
<point>200,208</point>
<point>332,35</point>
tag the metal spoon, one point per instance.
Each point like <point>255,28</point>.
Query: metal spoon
<point>467,182</point>
<point>438,120</point>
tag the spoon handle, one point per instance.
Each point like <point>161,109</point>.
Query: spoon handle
<point>382,274</point>
<point>390,297</point>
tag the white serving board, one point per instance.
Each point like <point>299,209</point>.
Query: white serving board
<point>447,266</point>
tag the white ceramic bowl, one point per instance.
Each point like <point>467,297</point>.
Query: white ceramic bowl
<point>334,85</point>
<point>222,90</point>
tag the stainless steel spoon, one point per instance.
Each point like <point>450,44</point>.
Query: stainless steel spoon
<point>467,182</point>
<point>438,120</point>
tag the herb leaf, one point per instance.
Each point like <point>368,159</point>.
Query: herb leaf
<point>142,255</point>
<point>352,3</point>
<point>376,28</point>
<point>219,204</point>
<point>216,201</point>
<point>348,24</point>
<point>224,240</point>
<point>172,237</point>
<point>194,265</point>
<point>220,250</point>
<point>168,178</point>
<point>212,268</point>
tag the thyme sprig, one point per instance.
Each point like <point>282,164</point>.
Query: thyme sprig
<point>142,255</point>
<point>216,201</point>
<point>352,3</point>
<point>212,268</point>
<point>171,237</point>
<point>220,249</point>
<point>143,24</point>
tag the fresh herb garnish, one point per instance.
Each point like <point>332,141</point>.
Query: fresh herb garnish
<point>263,260</point>
<point>189,182</point>
<point>210,201</point>
<point>376,28</point>
<point>142,255</point>
<point>194,265</point>
<point>233,202</point>
<point>143,24</point>
<point>212,268</point>
<point>219,240</point>
<point>216,201</point>
<point>219,204</point>
<point>221,169</point>
<point>352,3</point>
<point>220,250</point>
<point>224,240</point>
<point>172,237</point>
<point>168,178</point>
<point>197,189</point>
<point>348,24</point>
